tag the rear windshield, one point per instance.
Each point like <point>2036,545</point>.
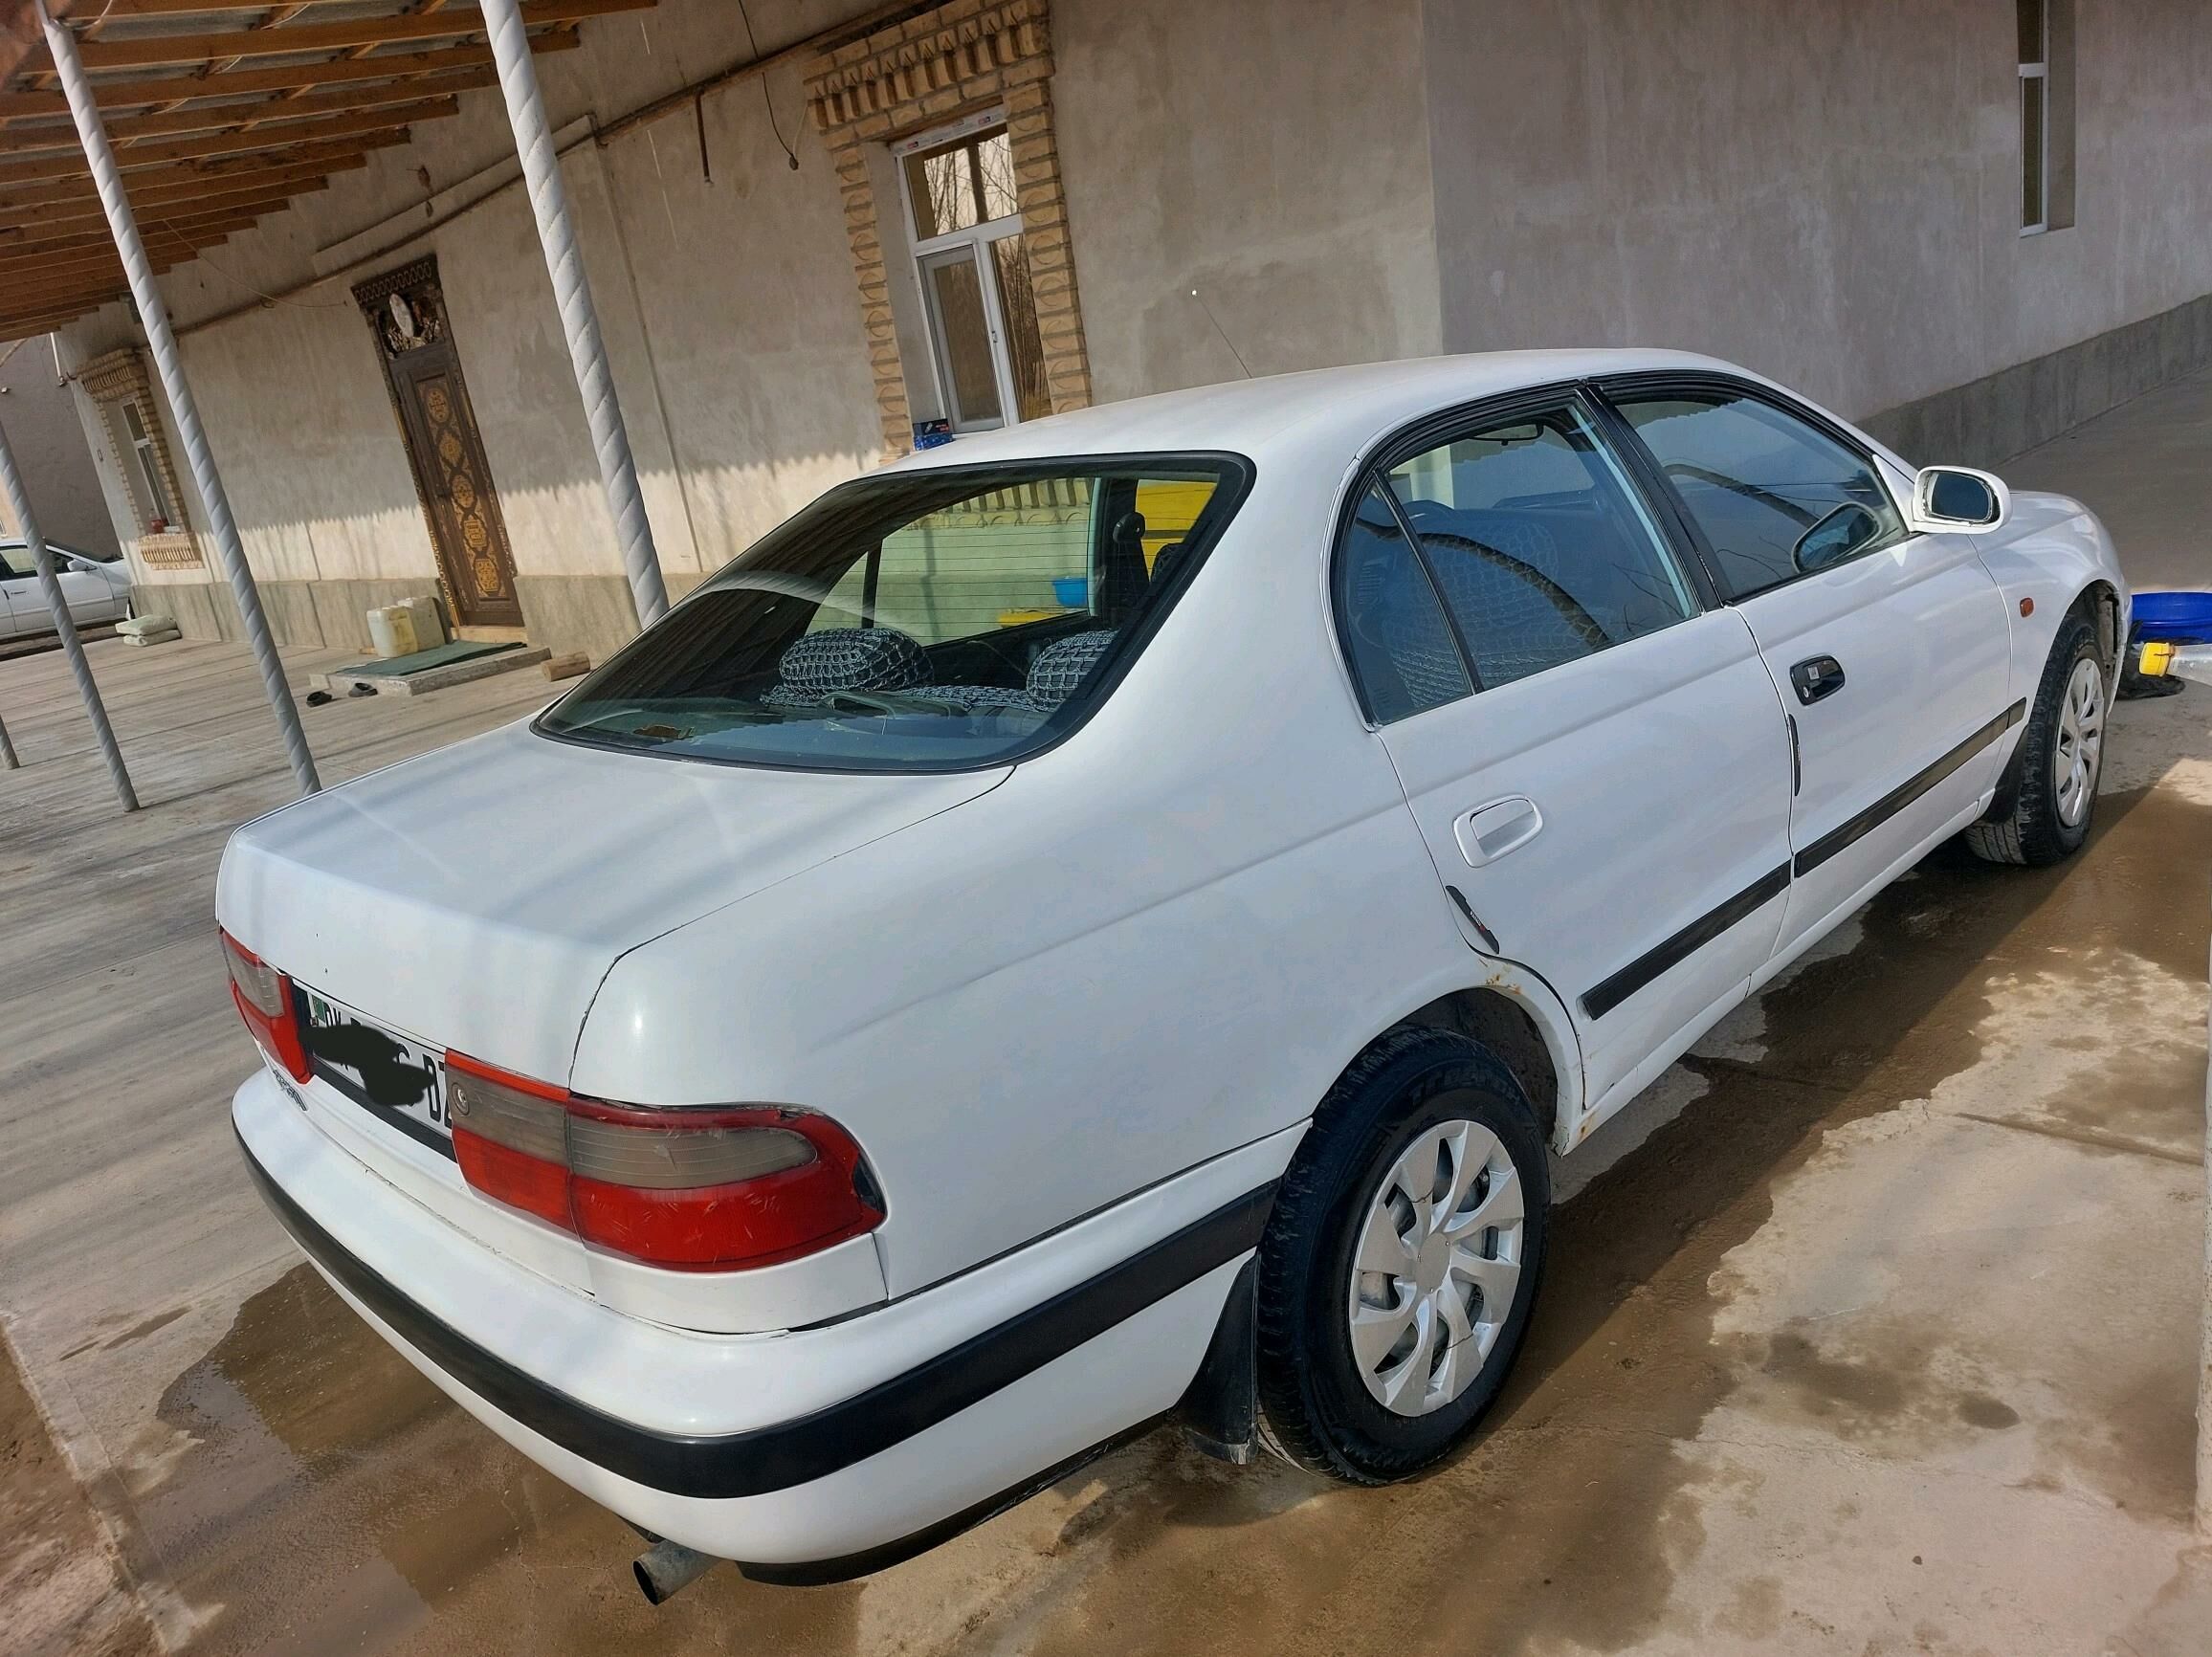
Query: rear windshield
<point>917,621</point>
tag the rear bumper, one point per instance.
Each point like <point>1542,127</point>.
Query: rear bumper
<point>745,1446</point>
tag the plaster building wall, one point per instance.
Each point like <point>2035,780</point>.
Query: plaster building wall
<point>50,450</point>
<point>1273,157</point>
<point>726,308</point>
<point>1824,190</point>
<point>1827,191</point>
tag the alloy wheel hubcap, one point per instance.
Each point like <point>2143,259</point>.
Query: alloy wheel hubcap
<point>2081,742</point>
<point>1437,1266</point>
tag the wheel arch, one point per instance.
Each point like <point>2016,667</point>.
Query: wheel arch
<point>2100,600</point>
<point>1516,1016</point>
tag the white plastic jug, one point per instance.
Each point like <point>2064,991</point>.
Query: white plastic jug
<point>392,631</point>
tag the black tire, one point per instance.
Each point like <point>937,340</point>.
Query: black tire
<point>2034,833</point>
<point>1315,1411</point>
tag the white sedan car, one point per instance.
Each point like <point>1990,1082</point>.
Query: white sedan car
<point>1102,921</point>
<point>96,590</point>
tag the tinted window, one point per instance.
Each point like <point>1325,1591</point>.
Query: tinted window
<point>1401,646</point>
<point>912,621</point>
<point>16,561</point>
<point>1538,544</point>
<point>1759,483</point>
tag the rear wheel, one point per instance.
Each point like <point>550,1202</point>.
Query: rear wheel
<point>2061,758</point>
<point>1401,1259</point>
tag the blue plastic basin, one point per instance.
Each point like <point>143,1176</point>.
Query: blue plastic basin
<point>2173,615</point>
<point>1072,591</point>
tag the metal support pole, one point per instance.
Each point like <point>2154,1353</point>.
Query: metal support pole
<point>72,647</point>
<point>154,313</point>
<point>573,290</point>
<point>7,749</point>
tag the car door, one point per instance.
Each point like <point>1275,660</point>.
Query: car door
<point>1888,650</point>
<point>1596,758</point>
<point>89,595</point>
<point>90,598</point>
<point>20,602</point>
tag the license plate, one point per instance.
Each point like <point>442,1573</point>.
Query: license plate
<point>392,1077</point>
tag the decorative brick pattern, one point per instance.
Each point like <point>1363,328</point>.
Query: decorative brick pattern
<point>962,55</point>
<point>110,381</point>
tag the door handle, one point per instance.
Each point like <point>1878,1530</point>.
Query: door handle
<point>1815,677</point>
<point>1490,831</point>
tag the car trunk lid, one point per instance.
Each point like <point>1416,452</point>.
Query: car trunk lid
<point>474,897</point>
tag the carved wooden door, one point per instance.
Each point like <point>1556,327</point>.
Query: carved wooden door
<point>408,312</point>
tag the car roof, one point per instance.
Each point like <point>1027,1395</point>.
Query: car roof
<point>1249,416</point>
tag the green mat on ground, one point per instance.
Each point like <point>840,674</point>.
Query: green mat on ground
<point>441,656</point>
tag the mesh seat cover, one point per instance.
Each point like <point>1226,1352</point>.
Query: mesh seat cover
<point>847,660</point>
<point>1063,665</point>
<point>1412,630</point>
<point>985,698</point>
<point>1517,619</point>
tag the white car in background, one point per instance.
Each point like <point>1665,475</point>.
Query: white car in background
<point>1103,921</point>
<point>96,590</point>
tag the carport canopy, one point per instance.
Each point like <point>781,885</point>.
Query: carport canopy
<point>220,113</point>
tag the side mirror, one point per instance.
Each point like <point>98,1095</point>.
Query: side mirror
<point>1835,538</point>
<point>1957,501</point>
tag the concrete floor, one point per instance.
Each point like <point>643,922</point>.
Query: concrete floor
<point>2143,467</point>
<point>1884,1339</point>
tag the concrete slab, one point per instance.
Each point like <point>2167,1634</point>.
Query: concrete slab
<point>340,682</point>
<point>1871,1327</point>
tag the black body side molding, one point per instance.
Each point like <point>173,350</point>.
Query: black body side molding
<point>1601,998</point>
<point>1865,822</point>
<point>794,1452</point>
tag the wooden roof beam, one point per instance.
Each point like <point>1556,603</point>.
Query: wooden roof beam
<point>115,10</point>
<point>337,156</point>
<point>70,218</point>
<point>165,230</point>
<point>397,116</point>
<point>83,234</point>
<point>61,277</point>
<point>138,90</point>
<point>212,117</point>
<point>140,51</point>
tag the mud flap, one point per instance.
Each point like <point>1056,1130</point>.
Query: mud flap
<point>1219,1411</point>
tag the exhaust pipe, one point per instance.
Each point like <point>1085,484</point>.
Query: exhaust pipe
<point>667,1568</point>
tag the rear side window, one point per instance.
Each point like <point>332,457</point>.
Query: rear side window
<point>1774,495</point>
<point>1401,648</point>
<point>1541,548</point>
<point>915,621</point>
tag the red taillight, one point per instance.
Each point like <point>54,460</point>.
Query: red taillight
<point>264,999</point>
<point>694,1190</point>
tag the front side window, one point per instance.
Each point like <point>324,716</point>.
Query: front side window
<point>1773,496</point>
<point>966,230</point>
<point>1541,548</point>
<point>920,621</point>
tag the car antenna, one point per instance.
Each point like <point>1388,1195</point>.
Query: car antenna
<point>1222,331</point>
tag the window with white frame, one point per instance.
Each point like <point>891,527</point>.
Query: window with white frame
<point>145,470</point>
<point>2047,114</point>
<point>2034,18</point>
<point>965,228</point>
